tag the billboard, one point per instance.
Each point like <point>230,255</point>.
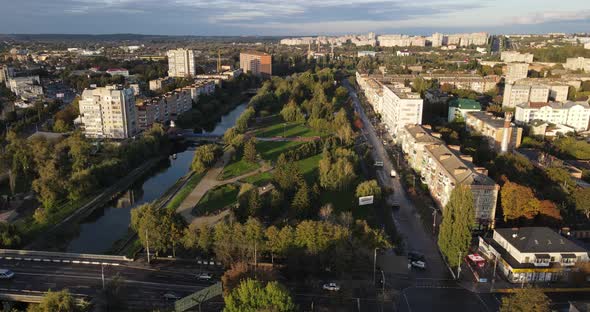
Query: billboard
<point>365,200</point>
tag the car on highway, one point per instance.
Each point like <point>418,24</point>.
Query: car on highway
<point>171,296</point>
<point>331,287</point>
<point>6,274</point>
<point>393,174</point>
<point>204,276</point>
<point>418,264</point>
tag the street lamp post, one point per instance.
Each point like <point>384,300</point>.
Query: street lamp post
<point>383,285</point>
<point>102,275</point>
<point>459,266</point>
<point>374,264</point>
<point>433,221</point>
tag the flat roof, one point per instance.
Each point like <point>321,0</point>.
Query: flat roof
<point>538,240</point>
<point>255,53</point>
<point>489,119</point>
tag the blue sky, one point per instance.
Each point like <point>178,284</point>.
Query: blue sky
<point>292,17</point>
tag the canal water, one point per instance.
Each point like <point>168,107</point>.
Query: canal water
<point>100,230</point>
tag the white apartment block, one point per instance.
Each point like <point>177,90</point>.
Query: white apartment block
<point>108,112</point>
<point>572,114</point>
<point>532,254</point>
<point>587,46</point>
<point>516,71</point>
<point>25,87</point>
<point>534,90</point>
<point>464,40</point>
<point>400,107</point>
<point>516,57</point>
<point>578,63</point>
<point>442,168</point>
<point>181,63</point>
<point>436,40</point>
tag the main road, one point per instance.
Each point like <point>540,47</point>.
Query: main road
<point>406,219</point>
<point>143,285</point>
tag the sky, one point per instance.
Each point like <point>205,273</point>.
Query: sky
<point>292,17</point>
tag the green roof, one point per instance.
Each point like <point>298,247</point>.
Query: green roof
<point>465,104</point>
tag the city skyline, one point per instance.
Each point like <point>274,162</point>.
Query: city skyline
<point>290,18</point>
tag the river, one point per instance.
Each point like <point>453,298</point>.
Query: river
<point>100,230</point>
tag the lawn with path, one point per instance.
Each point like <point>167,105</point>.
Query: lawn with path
<point>217,199</point>
<point>287,130</point>
<point>237,168</point>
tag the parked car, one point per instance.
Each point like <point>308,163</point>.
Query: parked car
<point>205,276</point>
<point>395,206</point>
<point>170,296</point>
<point>331,287</point>
<point>418,264</point>
<point>6,274</point>
<point>378,163</point>
<point>393,174</point>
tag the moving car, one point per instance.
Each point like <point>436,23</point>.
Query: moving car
<point>418,264</point>
<point>6,274</point>
<point>204,276</point>
<point>331,287</point>
<point>378,163</point>
<point>417,260</point>
<point>395,206</point>
<point>170,296</point>
<point>393,173</point>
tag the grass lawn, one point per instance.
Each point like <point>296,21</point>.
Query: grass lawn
<point>292,129</point>
<point>272,150</point>
<point>309,167</point>
<point>217,198</point>
<point>346,201</point>
<point>237,168</point>
<point>185,191</point>
<point>259,179</point>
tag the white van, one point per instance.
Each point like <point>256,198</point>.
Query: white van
<point>393,173</point>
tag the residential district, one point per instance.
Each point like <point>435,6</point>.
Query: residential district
<point>371,172</point>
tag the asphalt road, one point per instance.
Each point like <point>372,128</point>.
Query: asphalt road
<point>144,285</point>
<point>406,219</point>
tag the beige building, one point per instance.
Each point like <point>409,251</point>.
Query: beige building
<point>400,107</point>
<point>181,63</point>
<point>108,112</point>
<point>442,168</point>
<point>516,71</point>
<point>516,57</point>
<point>503,136</point>
<point>535,90</point>
<point>572,114</point>
<point>159,83</point>
<point>464,40</point>
<point>256,63</point>
<point>578,63</point>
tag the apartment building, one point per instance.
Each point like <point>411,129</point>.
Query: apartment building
<point>401,41</point>
<point>108,112</point>
<point>442,168</point>
<point>436,40</point>
<point>400,107</point>
<point>464,40</point>
<point>257,63</point>
<point>516,57</point>
<point>460,81</point>
<point>503,136</point>
<point>535,90</point>
<point>516,71</point>
<point>587,46</point>
<point>25,87</point>
<point>181,63</point>
<point>157,84</point>
<point>572,114</point>
<point>578,63</point>
<point>532,254</point>
<point>458,108</point>
<point>118,71</point>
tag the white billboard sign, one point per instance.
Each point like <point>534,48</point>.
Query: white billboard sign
<point>365,200</point>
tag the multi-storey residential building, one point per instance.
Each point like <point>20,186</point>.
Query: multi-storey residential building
<point>181,63</point>
<point>532,254</point>
<point>257,63</point>
<point>441,169</point>
<point>516,71</point>
<point>458,108</point>
<point>159,83</point>
<point>25,87</point>
<point>460,81</point>
<point>118,71</point>
<point>108,112</point>
<point>436,40</point>
<point>535,90</point>
<point>400,107</point>
<point>578,63</point>
<point>573,114</point>
<point>516,57</point>
<point>587,46</point>
<point>464,40</point>
<point>502,134</point>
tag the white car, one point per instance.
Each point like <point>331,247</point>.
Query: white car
<point>6,274</point>
<point>418,264</point>
<point>204,276</point>
<point>331,287</point>
<point>170,296</point>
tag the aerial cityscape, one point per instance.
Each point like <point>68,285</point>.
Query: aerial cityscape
<point>282,156</point>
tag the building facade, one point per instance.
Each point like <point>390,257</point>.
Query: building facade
<point>257,63</point>
<point>442,168</point>
<point>535,90</point>
<point>181,63</point>
<point>578,63</point>
<point>516,71</point>
<point>503,136</point>
<point>572,114</point>
<point>532,254</point>
<point>400,107</point>
<point>513,56</point>
<point>108,112</point>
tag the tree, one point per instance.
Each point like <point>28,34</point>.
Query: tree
<point>9,235</point>
<point>582,201</point>
<point>368,188</point>
<point>526,300</point>
<point>301,202</point>
<point>204,157</point>
<point>60,126</point>
<point>252,296</point>
<point>250,151</point>
<point>61,301</point>
<point>518,201</point>
<point>454,236</point>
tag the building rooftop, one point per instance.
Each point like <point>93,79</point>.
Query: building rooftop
<point>554,105</point>
<point>465,103</point>
<point>489,119</point>
<point>460,171</point>
<point>255,53</point>
<point>422,135</point>
<point>538,240</point>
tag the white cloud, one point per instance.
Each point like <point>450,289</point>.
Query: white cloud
<point>553,16</point>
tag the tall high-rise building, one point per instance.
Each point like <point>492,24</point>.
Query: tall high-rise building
<point>437,40</point>
<point>516,71</point>
<point>181,63</point>
<point>108,112</point>
<point>257,63</point>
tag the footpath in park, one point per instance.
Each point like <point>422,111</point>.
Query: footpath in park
<point>208,182</point>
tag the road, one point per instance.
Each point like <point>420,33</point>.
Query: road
<point>143,285</point>
<point>406,219</point>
